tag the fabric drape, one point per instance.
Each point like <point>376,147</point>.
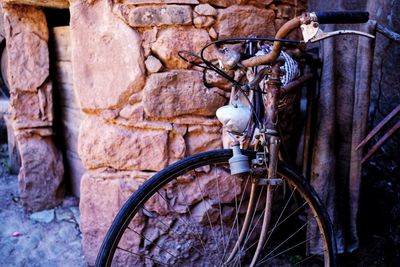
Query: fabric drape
<point>342,104</point>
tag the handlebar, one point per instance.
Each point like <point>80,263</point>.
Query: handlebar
<point>341,17</point>
<point>305,19</point>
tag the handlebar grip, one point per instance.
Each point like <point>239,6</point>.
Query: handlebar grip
<point>342,17</point>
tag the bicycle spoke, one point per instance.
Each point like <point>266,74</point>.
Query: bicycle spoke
<point>208,216</point>
<point>280,215</point>
<point>237,213</point>
<point>152,242</point>
<point>190,214</point>
<point>220,210</point>
<point>306,259</point>
<point>141,256</point>
<point>286,250</point>
<point>284,241</point>
<point>254,213</point>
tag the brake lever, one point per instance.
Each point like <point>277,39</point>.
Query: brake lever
<point>312,33</point>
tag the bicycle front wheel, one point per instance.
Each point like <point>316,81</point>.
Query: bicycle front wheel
<point>194,213</point>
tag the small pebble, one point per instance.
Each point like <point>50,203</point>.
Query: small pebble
<point>16,234</point>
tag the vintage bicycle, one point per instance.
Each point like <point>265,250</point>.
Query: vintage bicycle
<point>234,207</point>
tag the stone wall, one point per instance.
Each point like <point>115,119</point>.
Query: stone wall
<point>144,108</point>
<point>41,173</point>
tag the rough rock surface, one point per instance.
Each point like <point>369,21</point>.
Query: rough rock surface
<point>27,242</point>
<point>138,2</point>
<point>103,77</point>
<point>206,10</point>
<point>32,109</point>
<point>179,92</point>
<point>99,209</point>
<point>40,177</point>
<point>170,41</point>
<point>145,16</point>
<point>248,21</point>
<point>215,80</point>
<point>133,112</point>
<point>27,36</point>
<point>176,146</point>
<point>153,64</point>
<point>228,187</point>
<point>204,138</point>
<point>226,3</point>
<point>121,148</point>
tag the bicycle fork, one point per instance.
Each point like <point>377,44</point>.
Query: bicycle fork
<point>271,141</point>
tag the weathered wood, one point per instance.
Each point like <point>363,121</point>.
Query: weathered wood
<point>70,139</point>
<point>14,159</point>
<point>60,4</point>
<point>67,98</point>
<point>363,75</point>
<point>64,72</point>
<point>394,36</point>
<point>62,40</point>
<point>75,171</point>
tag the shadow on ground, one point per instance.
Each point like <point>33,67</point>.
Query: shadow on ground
<point>48,238</point>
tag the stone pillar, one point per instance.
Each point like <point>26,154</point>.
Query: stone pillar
<point>41,173</point>
<point>144,107</point>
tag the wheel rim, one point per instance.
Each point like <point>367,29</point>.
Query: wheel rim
<point>157,236</point>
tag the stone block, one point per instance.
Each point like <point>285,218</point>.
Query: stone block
<point>204,138</point>
<point>206,10</point>
<point>107,58</point>
<point>179,92</point>
<point>133,112</point>
<point>102,195</point>
<point>153,64</point>
<point>248,21</point>
<point>226,3</point>
<point>32,109</point>
<point>148,37</point>
<point>103,145</point>
<point>144,16</point>
<point>41,174</point>
<point>27,49</point>
<point>176,146</point>
<point>215,80</point>
<point>141,2</point>
<point>215,184</point>
<point>203,21</point>
<point>170,41</point>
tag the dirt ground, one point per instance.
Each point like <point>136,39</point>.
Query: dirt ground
<point>49,238</point>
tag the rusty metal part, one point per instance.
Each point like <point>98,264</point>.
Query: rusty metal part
<point>246,224</point>
<point>257,78</point>
<point>293,85</point>
<point>387,119</point>
<point>276,49</point>
<point>381,141</point>
<point>271,99</point>
<point>272,171</point>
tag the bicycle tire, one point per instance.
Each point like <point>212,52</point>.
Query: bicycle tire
<point>136,205</point>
